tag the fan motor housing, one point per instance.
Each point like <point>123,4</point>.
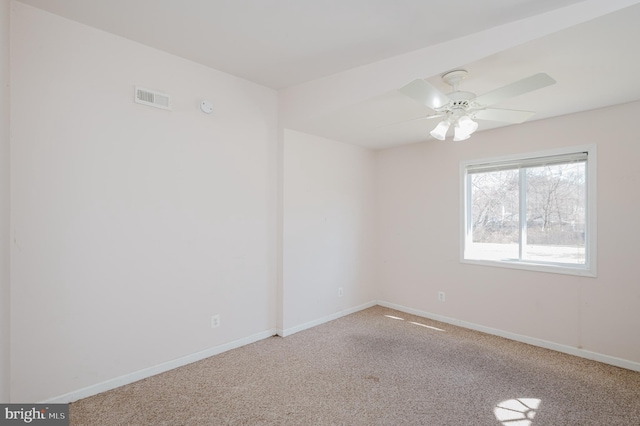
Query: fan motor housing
<point>461,96</point>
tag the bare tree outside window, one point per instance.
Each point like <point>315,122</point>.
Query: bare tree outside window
<point>556,212</point>
<point>495,207</point>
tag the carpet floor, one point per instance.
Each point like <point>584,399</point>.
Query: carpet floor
<point>377,367</point>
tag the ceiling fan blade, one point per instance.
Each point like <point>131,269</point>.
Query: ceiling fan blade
<point>529,84</point>
<point>504,115</point>
<point>425,93</point>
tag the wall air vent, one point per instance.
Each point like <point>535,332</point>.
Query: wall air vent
<point>153,98</point>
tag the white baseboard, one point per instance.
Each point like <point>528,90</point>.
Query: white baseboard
<point>157,369</point>
<point>618,362</point>
<point>310,324</point>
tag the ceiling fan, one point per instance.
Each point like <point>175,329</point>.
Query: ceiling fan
<point>459,108</point>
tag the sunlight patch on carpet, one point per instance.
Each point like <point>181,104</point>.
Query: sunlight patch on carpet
<point>395,318</point>
<point>414,323</point>
<point>517,412</point>
<point>427,326</point>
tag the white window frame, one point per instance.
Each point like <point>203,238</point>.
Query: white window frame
<point>589,268</point>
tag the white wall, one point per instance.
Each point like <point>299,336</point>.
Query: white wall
<point>133,225</point>
<point>418,222</point>
<point>328,235</point>
<point>4,200</point>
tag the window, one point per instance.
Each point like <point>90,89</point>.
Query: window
<point>531,212</point>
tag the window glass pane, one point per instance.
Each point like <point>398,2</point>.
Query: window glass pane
<point>494,216</point>
<point>532,212</point>
<point>556,213</point>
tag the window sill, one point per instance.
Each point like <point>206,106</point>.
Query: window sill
<point>583,271</point>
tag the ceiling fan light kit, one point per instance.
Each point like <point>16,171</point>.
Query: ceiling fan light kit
<point>459,108</point>
<point>460,135</point>
<point>440,132</point>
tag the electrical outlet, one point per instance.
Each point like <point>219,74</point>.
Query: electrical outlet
<point>215,321</point>
<point>441,296</point>
<point>340,291</point>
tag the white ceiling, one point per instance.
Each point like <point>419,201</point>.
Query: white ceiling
<point>296,45</point>
<point>595,64</point>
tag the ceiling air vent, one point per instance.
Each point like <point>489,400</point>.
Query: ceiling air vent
<point>153,98</point>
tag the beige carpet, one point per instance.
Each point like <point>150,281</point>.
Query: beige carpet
<point>370,368</point>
